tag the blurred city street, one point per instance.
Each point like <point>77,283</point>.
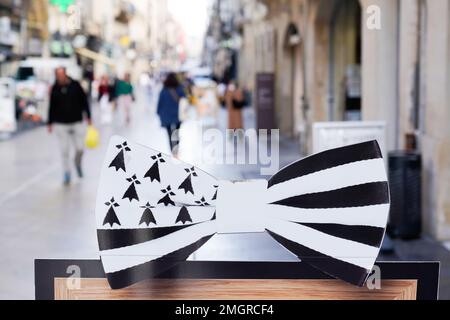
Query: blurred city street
<point>171,74</point>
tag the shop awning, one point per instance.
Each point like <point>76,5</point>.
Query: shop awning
<point>95,56</point>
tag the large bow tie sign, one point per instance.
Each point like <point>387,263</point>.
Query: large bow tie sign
<point>154,211</point>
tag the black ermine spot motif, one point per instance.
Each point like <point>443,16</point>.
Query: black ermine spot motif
<point>147,216</point>
<point>119,161</point>
<point>131,193</point>
<point>111,216</point>
<point>166,200</point>
<point>183,216</point>
<point>153,172</point>
<point>186,185</point>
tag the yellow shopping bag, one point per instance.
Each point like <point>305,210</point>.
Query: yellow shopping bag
<point>92,138</point>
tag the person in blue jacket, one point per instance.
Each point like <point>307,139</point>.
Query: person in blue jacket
<point>168,107</point>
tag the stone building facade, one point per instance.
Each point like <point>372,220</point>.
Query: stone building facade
<point>397,54</point>
<point>23,32</point>
<point>137,35</point>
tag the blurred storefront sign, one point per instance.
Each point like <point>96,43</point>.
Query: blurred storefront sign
<point>6,36</point>
<point>265,101</point>
<point>62,4</point>
<point>95,56</point>
<point>60,48</point>
<point>328,135</point>
<point>61,45</point>
<point>7,107</point>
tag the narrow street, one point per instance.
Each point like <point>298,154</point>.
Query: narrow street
<point>356,90</point>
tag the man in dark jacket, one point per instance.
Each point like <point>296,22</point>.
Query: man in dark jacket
<point>68,106</point>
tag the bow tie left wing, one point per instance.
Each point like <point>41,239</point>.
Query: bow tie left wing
<point>331,210</point>
<point>152,212</point>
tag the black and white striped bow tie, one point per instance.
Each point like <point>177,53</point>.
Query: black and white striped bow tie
<point>154,211</point>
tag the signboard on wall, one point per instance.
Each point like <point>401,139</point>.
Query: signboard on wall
<point>265,100</point>
<point>328,135</point>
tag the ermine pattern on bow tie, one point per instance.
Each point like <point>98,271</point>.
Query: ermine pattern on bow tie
<point>167,193</point>
<point>329,209</point>
<point>161,198</point>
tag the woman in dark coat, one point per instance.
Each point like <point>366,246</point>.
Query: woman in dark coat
<point>168,107</point>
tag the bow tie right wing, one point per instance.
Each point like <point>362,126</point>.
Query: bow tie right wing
<point>331,210</point>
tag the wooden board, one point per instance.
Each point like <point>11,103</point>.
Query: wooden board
<point>234,280</point>
<point>234,289</point>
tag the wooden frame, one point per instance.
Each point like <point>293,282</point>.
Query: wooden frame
<point>202,280</point>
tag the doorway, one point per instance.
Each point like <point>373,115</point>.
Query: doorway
<point>344,97</point>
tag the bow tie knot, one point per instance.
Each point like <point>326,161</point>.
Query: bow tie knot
<point>245,215</point>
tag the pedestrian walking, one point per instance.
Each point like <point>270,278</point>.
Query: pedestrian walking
<point>105,96</point>
<point>234,101</point>
<point>168,108</point>
<point>115,83</point>
<point>188,86</point>
<point>68,106</point>
<point>125,96</point>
